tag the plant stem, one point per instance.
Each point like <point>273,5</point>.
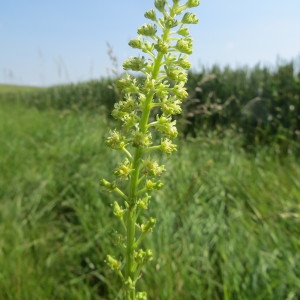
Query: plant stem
<point>130,224</point>
<point>129,272</point>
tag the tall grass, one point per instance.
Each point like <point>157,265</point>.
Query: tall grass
<point>229,222</point>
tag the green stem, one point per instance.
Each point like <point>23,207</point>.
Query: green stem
<point>130,224</point>
<point>130,266</point>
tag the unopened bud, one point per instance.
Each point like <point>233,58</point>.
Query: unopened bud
<point>149,225</point>
<point>189,18</point>
<point>170,22</point>
<point>135,43</point>
<point>108,185</point>
<point>118,211</point>
<point>150,15</point>
<point>151,185</point>
<point>185,46</point>
<point>112,262</point>
<point>134,64</point>
<point>161,46</point>
<point>184,31</point>
<point>192,3</point>
<point>160,5</point>
<point>147,30</point>
<point>184,63</point>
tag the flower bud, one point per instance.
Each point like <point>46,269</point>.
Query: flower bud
<point>169,108</point>
<point>148,30</point>
<point>149,253</point>
<point>170,22</point>
<point>117,112</point>
<point>170,58</point>
<point>161,46</point>
<point>148,47</point>
<point>134,64</point>
<point>108,185</point>
<point>143,203</point>
<point>124,169</point>
<point>152,168</point>
<point>184,63</point>
<point>135,43</point>
<point>180,91</point>
<point>192,3</point>
<point>149,84</point>
<point>162,121</point>
<point>150,185</point>
<point>130,120</point>
<point>160,5</point>
<point>189,18</point>
<point>184,31</point>
<point>112,262</point>
<point>122,109</point>
<point>184,45</point>
<point>126,82</point>
<point>166,127</point>
<point>140,139</point>
<point>162,93</point>
<point>115,140</point>
<point>162,90</point>
<point>139,256</point>
<point>128,105</point>
<point>150,15</point>
<point>149,225</point>
<point>118,211</point>
<point>167,147</point>
<point>182,77</point>
<point>173,73</point>
<point>129,283</point>
<point>170,130</point>
<point>131,89</point>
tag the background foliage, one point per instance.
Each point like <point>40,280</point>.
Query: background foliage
<point>261,103</point>
<point>228,218</point>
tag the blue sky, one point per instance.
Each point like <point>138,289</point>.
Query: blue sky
<point>59,41</point>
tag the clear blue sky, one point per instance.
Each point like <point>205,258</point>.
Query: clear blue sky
<point>59,41</point>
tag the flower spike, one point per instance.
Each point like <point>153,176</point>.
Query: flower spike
<point>146,109</point>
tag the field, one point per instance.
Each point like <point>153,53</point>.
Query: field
<point>16,89</point>
<point>228,220</point>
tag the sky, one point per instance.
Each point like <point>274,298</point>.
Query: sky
<point>43,43</point>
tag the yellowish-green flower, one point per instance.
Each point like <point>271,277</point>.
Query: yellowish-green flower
<point>146,109</point>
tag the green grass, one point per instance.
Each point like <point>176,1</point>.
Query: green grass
<point>10,88</point>
<point>228,223</point>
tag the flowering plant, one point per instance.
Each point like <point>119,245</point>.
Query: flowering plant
<point>165,44</point>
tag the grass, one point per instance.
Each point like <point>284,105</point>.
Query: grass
<point>228,222</point>
<point>10,88</point>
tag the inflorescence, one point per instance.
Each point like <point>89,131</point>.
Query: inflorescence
<point>165,44</point>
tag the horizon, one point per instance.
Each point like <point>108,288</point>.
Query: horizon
<point>272,67</point>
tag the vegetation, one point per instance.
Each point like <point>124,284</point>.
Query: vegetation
<point>228,219</point>
<point>262,103</point>
<point>228,216</point>
<point>13,89</point>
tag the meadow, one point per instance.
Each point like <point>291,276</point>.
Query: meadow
<point>228,220</point>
